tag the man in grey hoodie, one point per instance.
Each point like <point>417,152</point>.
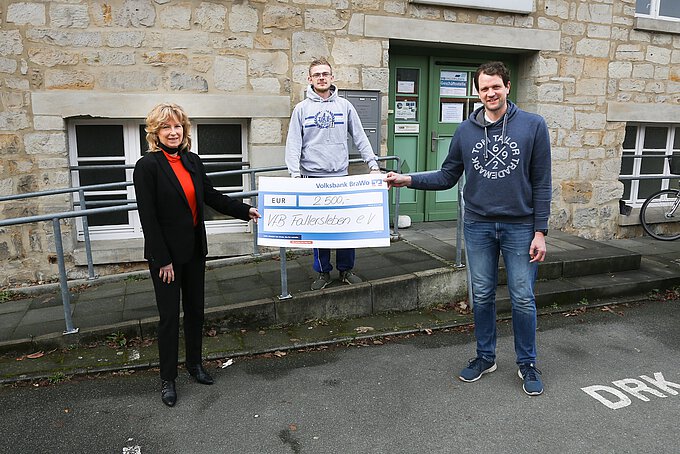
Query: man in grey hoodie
<point>316,146</point>
<point>505,154</point>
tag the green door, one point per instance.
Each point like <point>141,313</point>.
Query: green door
<point>451,99</point>
<point>430,95</point>
<point>407,122</point>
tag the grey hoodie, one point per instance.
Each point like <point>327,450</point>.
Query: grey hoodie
<point>316,145</point>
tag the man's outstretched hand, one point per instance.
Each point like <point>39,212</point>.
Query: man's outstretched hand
<point>397,180</point>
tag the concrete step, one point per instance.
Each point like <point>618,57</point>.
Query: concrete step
<point>636,284</point>
<point>568,256</point>
<point>583,262</point>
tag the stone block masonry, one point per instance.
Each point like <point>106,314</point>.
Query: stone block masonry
<point>577,59</point>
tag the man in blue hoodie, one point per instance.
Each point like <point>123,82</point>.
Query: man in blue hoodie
<point>505,154</point>
<point>316,146</point>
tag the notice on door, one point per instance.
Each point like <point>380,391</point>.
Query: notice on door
<point>452,83</point>
<point>452,112</point>
<point>405,110</point>
<point>342,212</point>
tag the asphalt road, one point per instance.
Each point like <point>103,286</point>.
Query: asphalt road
<point>398,397</point>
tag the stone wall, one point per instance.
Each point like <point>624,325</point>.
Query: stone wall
<point>58,57</point>
<point>602,59</point>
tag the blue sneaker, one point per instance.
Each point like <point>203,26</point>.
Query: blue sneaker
<point>533,385</point>
<point>476,368</point>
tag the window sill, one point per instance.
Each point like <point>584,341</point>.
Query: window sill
<point>632,219</point>
<point>516,6</point>
<point>657,25</point>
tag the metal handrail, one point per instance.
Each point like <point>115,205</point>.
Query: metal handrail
<point>651,154</point>
<point>239,164</point>
<point>130,205</point>
<point>648,177</point>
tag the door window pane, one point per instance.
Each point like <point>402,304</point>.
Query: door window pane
<point>407,81</point>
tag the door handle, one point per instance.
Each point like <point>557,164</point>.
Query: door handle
<point>434,138</point>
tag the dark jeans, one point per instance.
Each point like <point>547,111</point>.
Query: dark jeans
<point>484,241</point>
<point>344,260</point>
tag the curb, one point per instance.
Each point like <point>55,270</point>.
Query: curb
<point>392,294</point>
<point>280,344</point>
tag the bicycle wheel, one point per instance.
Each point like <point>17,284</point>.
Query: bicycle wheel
<point>660,216</point>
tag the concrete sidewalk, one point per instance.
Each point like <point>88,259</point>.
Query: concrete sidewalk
<point>415,272</point>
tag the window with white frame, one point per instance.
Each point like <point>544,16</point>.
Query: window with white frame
<point>646,149</point>
<point>106,146</point>
<point>658,9</point>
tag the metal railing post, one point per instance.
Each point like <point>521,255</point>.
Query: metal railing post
<point>63,283</point>
<point>395,219</point>
<point>285,294</point>
<point>253,183</point>
<point>459,227</point>
<point>86,234</point>
<point>461,230</point>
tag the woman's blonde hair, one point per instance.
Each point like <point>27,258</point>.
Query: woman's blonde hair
<point>160,115</point>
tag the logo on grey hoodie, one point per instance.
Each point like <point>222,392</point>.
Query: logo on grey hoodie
<point>324,119</point>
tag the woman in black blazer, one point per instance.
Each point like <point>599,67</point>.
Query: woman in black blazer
<point>172,189</point>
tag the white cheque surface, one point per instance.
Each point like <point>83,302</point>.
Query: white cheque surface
<point>339,212</point>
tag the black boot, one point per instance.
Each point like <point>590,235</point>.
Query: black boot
<point>200,374</point>
<point>168,393</point>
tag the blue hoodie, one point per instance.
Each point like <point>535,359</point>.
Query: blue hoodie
<point>316,145</point>
<point>507,168</point>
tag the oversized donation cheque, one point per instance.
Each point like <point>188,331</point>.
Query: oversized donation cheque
<point>330,213</point>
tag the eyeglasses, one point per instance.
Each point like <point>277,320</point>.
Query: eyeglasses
<point>320,75</point>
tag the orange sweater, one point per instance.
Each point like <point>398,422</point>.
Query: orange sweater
<point>187,183</point>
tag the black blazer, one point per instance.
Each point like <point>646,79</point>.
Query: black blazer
<point>164,211</point>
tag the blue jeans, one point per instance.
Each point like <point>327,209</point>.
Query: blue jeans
<point>344,260</point>
<point>483,243</point>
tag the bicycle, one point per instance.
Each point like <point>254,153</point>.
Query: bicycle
<point>659,214</point>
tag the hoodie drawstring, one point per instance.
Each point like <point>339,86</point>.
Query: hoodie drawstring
<point>486,136</point>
